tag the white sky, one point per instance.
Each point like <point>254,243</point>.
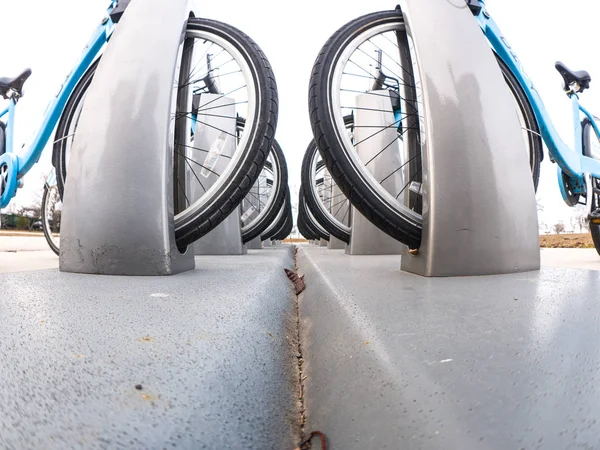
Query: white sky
<point>48,36</point>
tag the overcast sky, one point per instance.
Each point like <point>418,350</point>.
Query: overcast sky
<point>49,36</point>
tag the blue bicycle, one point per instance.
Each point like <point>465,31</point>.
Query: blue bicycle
<point>223,79</point>
<point>367,69</point>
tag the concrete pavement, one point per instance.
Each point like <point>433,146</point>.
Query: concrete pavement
<point>572,258</point>
<point>29,251</point>
<point>25,251</point>
<point>202,359</point>
<point>399,361</point>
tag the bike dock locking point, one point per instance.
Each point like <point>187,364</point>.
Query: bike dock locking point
<point>479,213</point>
<point>118,205</point>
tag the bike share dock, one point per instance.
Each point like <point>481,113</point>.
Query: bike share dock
<point>211,349</point>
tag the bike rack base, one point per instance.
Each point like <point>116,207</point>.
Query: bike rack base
<point>479,205</point>
<point>118,203</point>
<point>335,243</point>
<point>367,239</point>
<point>225,239</point>
<point>254,244</point>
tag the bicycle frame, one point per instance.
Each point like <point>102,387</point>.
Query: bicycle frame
<point>571,161</point>
<point>19,164</point>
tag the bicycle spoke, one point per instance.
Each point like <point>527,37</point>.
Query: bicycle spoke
<point>391,71</point>
<point>216,128</point>
<point>197,163</point>
<point>194,172</point>
<point>183,190</point>
<point>209,72</point>
<point>221,96</point>
<point>399,168</point>
<point>409,181</point>
<point>201,149</point>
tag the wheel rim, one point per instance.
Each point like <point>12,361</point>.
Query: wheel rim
<point>345,83</point>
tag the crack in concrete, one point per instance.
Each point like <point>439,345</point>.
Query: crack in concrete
<point>299,358</point>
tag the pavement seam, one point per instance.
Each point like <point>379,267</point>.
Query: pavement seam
<point>299,356</point>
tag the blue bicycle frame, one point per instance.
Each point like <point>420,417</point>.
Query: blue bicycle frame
<point>571,161</point>
<point>19,165</point>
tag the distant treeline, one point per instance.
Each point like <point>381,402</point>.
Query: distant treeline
<point>16,222</point>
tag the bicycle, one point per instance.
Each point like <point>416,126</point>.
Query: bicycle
<point>344,70</point>
<point>214,57</point>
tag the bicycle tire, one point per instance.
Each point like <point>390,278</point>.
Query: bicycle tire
<point>256,227</point>
<point>304,229</point>
<point>595,232</point>
<point>59,147</point>
<point>309,219</point>
<point>586,131</point>
<point>285,229</point>
<point>45,221</point>
<point>279,219</point>
<point>325,219</point>
<point>197,220</point>
<point>535,145</point>
<point>283,225</point>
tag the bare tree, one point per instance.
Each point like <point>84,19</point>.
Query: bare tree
<point>543,227</point>
<point>33,211</point>
<point>559,227</point>
<point>581,219</point>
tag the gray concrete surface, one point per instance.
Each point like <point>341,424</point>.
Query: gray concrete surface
<point>574,258</point>
<point>398,361</point>
<point>210,349</point>
<point>25,251</point>
<point>19,261</point>
<point>24,242</point>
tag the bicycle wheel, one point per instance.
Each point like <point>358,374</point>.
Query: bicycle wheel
<point>365,73</point>
<point>51,215</point>
<point>267,196</point>
<point>329,207</point>
<point>286,229</point>
<point>279,220</point>
<point>223,77</point>
<point>309,220</point>
<point>591,148</point>
<point>304,229</point>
